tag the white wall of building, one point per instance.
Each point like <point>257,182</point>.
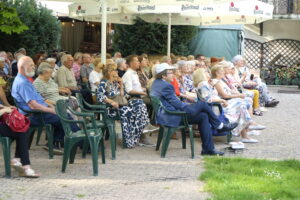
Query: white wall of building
<point>275,29</point>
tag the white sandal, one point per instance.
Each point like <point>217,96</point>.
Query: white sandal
<point>29,173</point>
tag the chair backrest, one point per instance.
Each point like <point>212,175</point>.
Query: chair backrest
<point>62,112</point>
<point>155,102</point>
<point>80,100</point>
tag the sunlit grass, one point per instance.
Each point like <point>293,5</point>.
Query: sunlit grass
<point>251,179</point>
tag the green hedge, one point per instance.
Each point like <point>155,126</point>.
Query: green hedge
<point>43,32</point>
<point>151,38</point>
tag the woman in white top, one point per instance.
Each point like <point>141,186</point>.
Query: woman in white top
<point>95,77</point>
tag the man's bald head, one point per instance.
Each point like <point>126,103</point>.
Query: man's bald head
<point>26,66</point>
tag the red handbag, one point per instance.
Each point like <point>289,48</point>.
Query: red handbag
<point>16,121</point>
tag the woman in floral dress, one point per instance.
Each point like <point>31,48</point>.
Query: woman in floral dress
<point>133,116</point>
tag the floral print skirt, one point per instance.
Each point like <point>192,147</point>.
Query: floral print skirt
<point>134,118</point>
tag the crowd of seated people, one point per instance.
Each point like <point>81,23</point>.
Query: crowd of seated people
<point>40,82</point>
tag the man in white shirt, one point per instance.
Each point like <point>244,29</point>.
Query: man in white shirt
<point>133,87</point>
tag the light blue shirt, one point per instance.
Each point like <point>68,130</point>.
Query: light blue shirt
<point>23,92</point>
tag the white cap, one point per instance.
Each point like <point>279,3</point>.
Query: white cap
<point>163,66</point>
<point>51,60</point>
<point>2,59</point>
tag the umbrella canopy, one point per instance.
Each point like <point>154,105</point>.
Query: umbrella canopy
<point>169,12</point>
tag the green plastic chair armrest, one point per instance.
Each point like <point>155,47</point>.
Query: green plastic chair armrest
<point>175,112</point>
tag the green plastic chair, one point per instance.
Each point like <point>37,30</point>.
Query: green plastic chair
<point>93,135</point>
<point>105,123</point>
<point>6,143</point>
<point>165,132</point>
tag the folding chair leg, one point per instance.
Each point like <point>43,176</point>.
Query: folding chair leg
<point>102,150</point>
<point>159,138</point>
<point>6,155</point>
<point>73,153</point>
<point>166,141</point>
<point>40,131</point>
<point>67,149</point>
<point>85,147</point>
<point>229,136</point>
<point>94,142</point>
<point>183,137</point>
<point>112,138</point>
<point>31,136</point>
<point>49,132</point>
<point>192,141</point>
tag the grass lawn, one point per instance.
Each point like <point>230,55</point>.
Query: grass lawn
<point>251,179</point>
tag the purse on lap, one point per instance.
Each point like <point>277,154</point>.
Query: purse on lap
<point>16,121</point>
<point>121,100</point>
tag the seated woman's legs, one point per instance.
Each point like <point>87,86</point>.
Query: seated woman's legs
<point>21,153</point>
<point>21,143</point>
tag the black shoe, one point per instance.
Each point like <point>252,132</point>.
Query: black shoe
<point>272,103</point>
<point>228,127</point>
<point>212,153</point>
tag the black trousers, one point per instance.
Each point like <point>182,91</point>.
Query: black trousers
<point>21,143</point>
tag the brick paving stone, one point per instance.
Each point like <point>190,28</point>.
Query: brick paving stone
<point>140,173</point>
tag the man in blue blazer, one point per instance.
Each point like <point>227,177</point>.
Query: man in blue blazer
<point>198,113</point>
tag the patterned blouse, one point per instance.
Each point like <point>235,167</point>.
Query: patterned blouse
<point>143,78</point>
<point>188,83</point>
<point>107,89</point>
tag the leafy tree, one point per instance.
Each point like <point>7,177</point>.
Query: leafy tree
<point>9,20</point>
<point>43,32</point>
<point>151,38</point>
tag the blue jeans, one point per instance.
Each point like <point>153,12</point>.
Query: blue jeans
<point>201,114</point>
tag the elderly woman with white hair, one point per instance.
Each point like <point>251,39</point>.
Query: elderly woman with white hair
<point>46,86</point>
<point>250,81</point>
<point>184,78</point>
<point>52,62</point>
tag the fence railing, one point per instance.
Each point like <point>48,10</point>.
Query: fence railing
<point>280,52</point>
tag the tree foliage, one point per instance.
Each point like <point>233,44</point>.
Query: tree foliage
<point>43,28</point>
<point>151,38</point>
<point>9,20</point>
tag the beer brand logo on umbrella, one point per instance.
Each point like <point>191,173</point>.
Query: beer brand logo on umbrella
<point>143,8</point>
<point>257,11</point>
<point>158,19</point>
<point>80,10</point>
<point>189,7</point>
<point>232,8</point>
<point>207,8</point>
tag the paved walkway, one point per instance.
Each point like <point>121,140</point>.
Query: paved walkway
<point>140,173</point>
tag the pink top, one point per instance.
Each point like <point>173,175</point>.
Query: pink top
<point>76,70</point>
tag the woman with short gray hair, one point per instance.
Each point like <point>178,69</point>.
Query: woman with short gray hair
<point>46,86</point>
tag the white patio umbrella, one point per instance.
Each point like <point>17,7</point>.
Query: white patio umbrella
<point>170,12</point>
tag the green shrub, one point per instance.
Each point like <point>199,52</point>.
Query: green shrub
<point>43,32</point>
<point>151,38</point>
